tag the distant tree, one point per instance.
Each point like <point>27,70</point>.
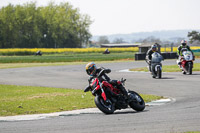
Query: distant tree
<point>118,40</point>
<point>151,39</point>
<point>103,40</point>
<point>52,26</point>
<point>194,36</point>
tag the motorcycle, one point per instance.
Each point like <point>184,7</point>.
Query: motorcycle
<point>156,65</point>
<point>109,98</point>
<point>187,62</point>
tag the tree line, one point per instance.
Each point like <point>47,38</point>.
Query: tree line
<point>193,36</point>
<point>52,26</point>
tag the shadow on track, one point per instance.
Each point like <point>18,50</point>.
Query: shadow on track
<point>130,112</point>
<point>195,74</point>
<point>167,78</point>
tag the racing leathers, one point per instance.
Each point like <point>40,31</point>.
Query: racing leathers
<point>149,57</point>
<point>104,77</point>
<point>180,50</point>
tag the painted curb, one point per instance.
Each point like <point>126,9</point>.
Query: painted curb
<point>76,112</point>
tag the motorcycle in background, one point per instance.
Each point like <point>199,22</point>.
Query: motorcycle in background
<point>187,62</point>
<point>109,98</point>
<point>156,65</point>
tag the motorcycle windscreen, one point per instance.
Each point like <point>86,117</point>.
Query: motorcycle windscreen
<point>187,55</point>
<point>156,58</point>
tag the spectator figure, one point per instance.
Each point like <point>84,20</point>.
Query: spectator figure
<point>39,53</point>
<point>106,51</point>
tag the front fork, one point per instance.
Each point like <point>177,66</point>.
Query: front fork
<point>103,94</point>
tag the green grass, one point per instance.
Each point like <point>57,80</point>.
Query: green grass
<point>168,68</point>
<point>197,54</point>
<point>20,100</point>
<point>71,57</point>
<point>76,57</point>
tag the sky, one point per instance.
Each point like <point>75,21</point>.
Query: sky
<point>130,16</point>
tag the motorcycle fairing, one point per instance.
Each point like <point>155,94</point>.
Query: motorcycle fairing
<point>95,83</point>
<point>187,55</point>
<point>183,63</point>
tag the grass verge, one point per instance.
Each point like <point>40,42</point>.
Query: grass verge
<point>72,57</point>
<point>168,68</point>
<point>21,65</point>
<point>20,100</point>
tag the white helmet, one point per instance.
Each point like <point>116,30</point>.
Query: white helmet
<point>184,42</point>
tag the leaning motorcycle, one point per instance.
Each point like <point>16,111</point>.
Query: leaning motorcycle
<point>109,98</point>
<point>187,62</point>
<point>156,65</point>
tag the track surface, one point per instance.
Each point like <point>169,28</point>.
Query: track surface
<point>179,116</point>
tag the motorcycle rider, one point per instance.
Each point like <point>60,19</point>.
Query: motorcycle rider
<point>180,49</point>
<point>149,55</point>
<point>93,72</point>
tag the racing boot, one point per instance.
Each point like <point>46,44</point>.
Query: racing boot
<point>179,63</point>
<point>150,67</point>
<point>183,72</point>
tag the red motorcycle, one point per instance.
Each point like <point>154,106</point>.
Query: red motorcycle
<point>109,98</point>
<point>187,62</point>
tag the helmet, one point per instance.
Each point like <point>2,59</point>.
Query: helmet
<point>154,48</point>
<point>184,42</point>
<point>91,68</point>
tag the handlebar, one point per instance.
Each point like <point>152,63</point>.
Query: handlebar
<point>101,73</point>
<point>123,81</point>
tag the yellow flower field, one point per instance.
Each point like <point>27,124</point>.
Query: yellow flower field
<point>168,49</point>
<point>30,51</point>
<point>66,50</point>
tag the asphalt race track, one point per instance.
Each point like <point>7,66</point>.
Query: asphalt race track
<point>179,116</point>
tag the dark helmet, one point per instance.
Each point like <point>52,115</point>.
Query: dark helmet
<point>184,42</point>
<point>154,47</point>
<point>91,68</point>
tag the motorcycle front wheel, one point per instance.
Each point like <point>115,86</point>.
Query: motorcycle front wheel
<point>138,103</point>
<point>190,68</point>
<point>104,107</point>
<point>159,73</point>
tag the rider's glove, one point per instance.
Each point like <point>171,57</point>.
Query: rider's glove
<point>149,61</point>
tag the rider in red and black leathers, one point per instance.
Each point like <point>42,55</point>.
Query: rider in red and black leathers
<point>91,68</point>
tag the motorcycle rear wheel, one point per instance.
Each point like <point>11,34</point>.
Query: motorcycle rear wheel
<point>138,104</point>
<point>100,103</point>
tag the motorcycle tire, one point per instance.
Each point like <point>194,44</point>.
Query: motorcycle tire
<point>190,68</point>
<point>100,103</point>
<point>159,73</point>
<point>138,104</point>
